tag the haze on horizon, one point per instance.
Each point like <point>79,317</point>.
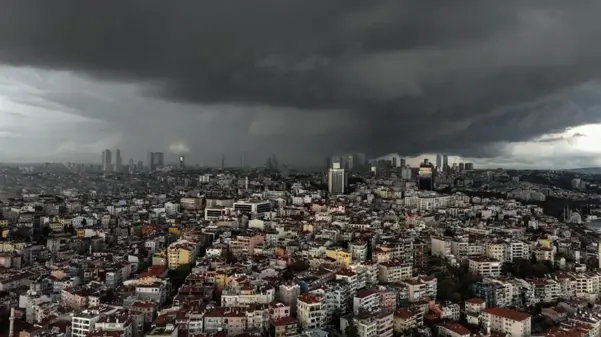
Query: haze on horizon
<point>512,83</point>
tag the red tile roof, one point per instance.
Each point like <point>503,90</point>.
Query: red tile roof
<point>458,329</point>
<point>508,313</point>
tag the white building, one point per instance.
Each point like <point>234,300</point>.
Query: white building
<point>312,311</point>
<point>336,179</point>
<point>506,321</point>
<point>84,322</point>
<point>484,266</point>
<point>256,208</point>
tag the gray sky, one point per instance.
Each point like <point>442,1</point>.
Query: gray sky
<point>499,83</point>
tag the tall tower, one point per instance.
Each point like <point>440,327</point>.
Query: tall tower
<point>118,161</point>
<point>149,165</point>
<point>11,327</point>
<point>107,165</point>
<point>445,162</point>
<point>336,179</point>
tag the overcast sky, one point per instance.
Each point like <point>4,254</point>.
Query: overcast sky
<point>507,83</point>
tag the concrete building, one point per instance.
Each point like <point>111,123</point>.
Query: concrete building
<point>336,179</point>
<point>107,161</point>
<point>506,321</point>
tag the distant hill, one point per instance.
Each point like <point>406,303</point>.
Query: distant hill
<point>586,170</point>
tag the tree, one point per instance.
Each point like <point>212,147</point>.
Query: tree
<point>351,329</point>
<point>178,276</point>
<point>507,268</point>
<point>230,257</point>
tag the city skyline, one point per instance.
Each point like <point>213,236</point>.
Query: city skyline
<point>301,97</point>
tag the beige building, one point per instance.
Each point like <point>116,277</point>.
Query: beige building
<point>506,321</point>
<point>394,271</point>
<point>312,311</point>
<point>485,267</point>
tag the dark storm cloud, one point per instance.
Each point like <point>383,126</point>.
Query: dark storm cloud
<point>407,76</point>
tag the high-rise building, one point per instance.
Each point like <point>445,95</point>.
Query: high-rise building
<point>118,161</point>
<point>438,162</point>
<point>461,166</point>
<point>469,166</point>
<point>140,166</point>
<point>155,160</point>
<point>403,162</point>
<point>328,163</point>
<point>336,179</point>
<point>107,161</point>
<point>426,177</point>
<point>132,166</point>
<point>182,162</point>
<point>160,159</point>
<point>394,162</point>
<point>445,162</point>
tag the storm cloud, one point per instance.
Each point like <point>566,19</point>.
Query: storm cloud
<point>412,77</point>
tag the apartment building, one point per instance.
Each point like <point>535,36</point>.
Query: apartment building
<point>495,250</point>
<point>283,327</point>
<point>367,274</point>
<point>338,296</point>
<point>375,324</point>
<point>366,300</point>
<point>421,287</point>
<point>440,246</point>
<point>394,271</point>
<point>506,321</point>
<point>407,319</point>
<point>243,296</point>
<point>244,245</point>
<point>485,267</point>
<point>341,256</point>
<point>516,250</point>
<point>180,253</point>
<point>84,322</point>
<point>120,322</point>
<point>349,276</point>
<point>358,250</point>
<point>312,311</point>
<point>453,330</point>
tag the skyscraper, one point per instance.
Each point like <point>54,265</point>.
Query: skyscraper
<point>336,179</point>
<point>394,162</point>
<point>160,159</point>
<point>132,166</point>
<point>118,161</point>
<point>149,162</point>
<point>107,162</point>
<point>438,162</point>
<point>182,162</point>
<point>156,160</point>
<point>445,162</point>
<point>328,163</point>
<point>425,176</point>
